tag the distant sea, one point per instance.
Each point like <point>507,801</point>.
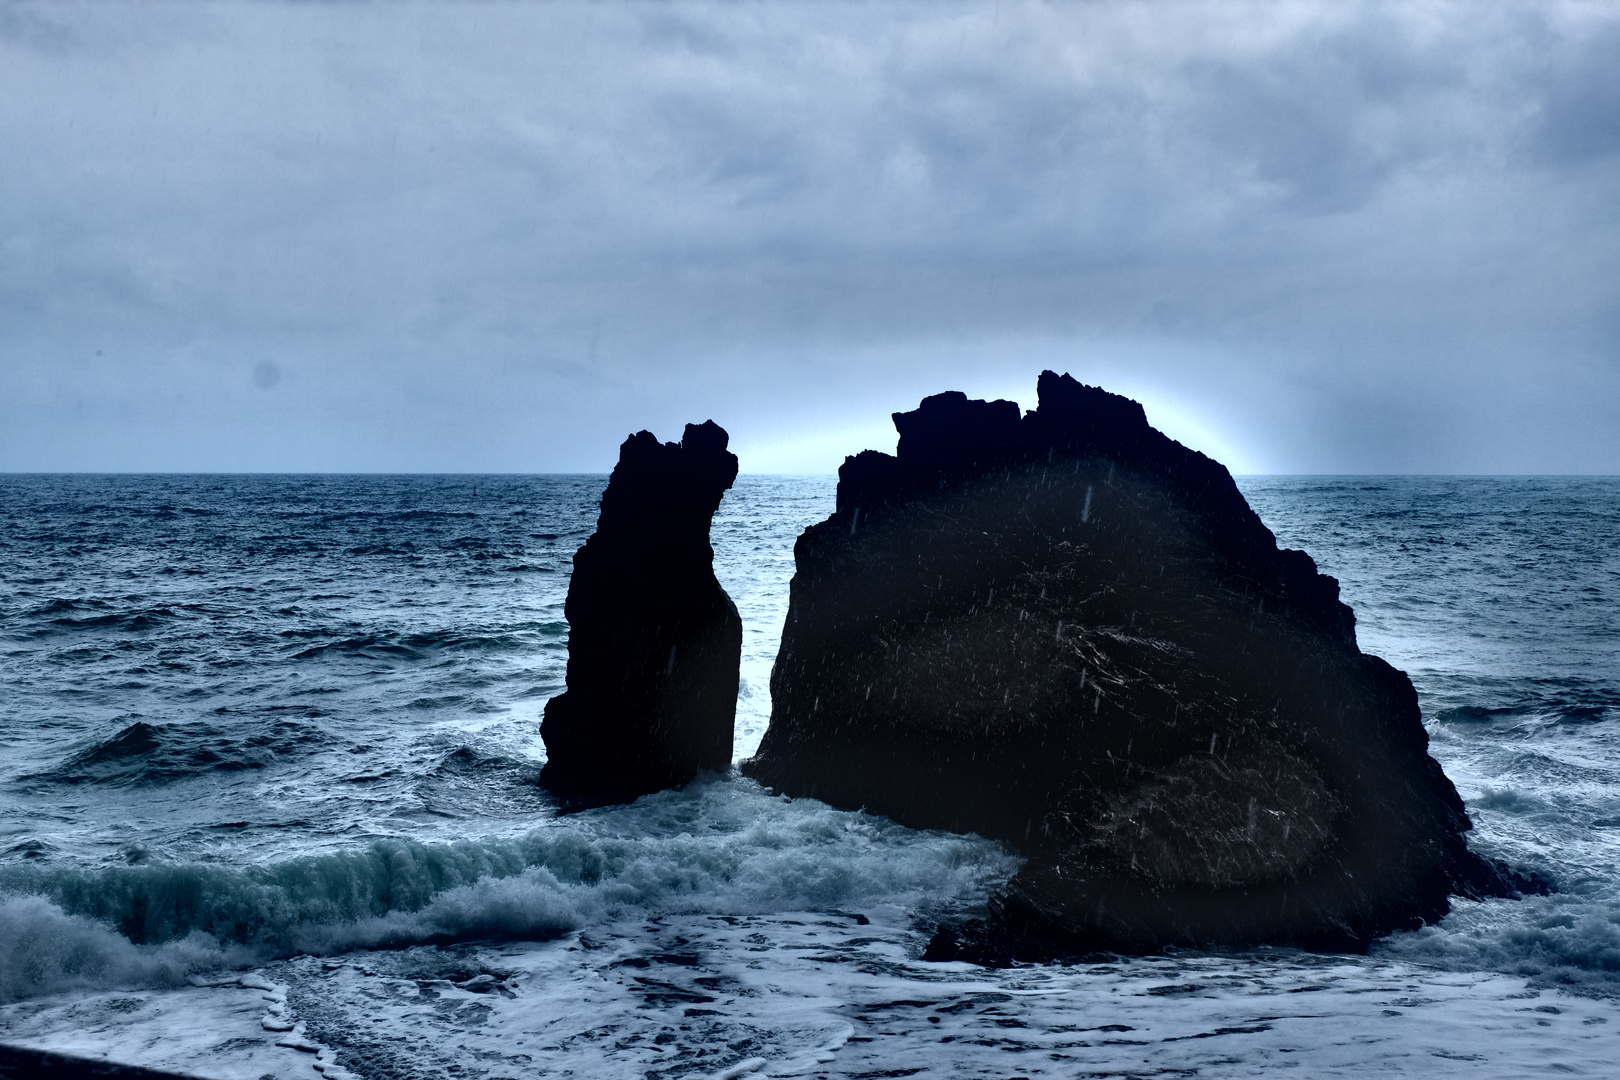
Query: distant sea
<point>268,752</point>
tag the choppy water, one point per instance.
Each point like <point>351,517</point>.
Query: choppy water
<point>278,724</point>
<point>1501,598</point>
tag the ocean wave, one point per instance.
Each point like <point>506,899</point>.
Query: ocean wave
<point>393,646</point>
<point>328,518</point>
<point>136,621</point>
<point>63,605</point>
<point>1562,940</point>
<point>467,761</point>
<point>63,616</point>
<point>721,847</point>
<point>366,646</point>
<point>31,848</point>
<point>1510,801</point>
<point>45,950</point>
<point>406,548</point>
<point>1537,715</point>
<point>142,753</point>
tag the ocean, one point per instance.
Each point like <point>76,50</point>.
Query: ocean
<point>268,808</point>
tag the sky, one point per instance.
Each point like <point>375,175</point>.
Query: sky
<point>1330,237</point>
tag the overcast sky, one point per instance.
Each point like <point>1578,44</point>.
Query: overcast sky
<point>1310,237</point>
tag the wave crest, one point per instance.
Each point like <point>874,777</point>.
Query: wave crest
<point>143,753</point>
<point>722,847</point>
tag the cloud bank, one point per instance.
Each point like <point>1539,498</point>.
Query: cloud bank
<point>1311,237</point>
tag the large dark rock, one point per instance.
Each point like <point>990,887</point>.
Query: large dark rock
<point>654,641</point>
<point>1069,632</point>
<point>26,1063</point>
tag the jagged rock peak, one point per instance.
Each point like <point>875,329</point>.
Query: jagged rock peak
<point>950,438</point>
<point>672,489</point>
<point>655,643</point>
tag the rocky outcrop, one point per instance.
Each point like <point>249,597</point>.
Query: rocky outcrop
<point>1065,630</point>
<point>654,642</point>
<point>26,1063</point>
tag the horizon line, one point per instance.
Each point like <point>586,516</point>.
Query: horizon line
<point>741,473</point>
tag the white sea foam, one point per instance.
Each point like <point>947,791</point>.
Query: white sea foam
<point>1563,940</point>
<point>722,846</point>
<point>44,950</point>
<point>689,996</point>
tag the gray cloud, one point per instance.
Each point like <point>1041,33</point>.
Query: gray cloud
<point>1579,113</point>
<point>1317,236</point>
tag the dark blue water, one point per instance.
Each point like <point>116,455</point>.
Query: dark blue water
<point>249,717</point>
<point>1501,598</point>
<point>207,667</point>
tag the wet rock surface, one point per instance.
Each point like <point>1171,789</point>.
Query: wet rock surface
<point>654,641</point>
<point>1066,631</point>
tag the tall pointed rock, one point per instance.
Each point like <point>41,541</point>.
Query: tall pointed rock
<point>654,641</point>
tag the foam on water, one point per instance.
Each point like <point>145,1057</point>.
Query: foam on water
<point>252,718</point>
<point>719,846</point>
<point>819,993</point>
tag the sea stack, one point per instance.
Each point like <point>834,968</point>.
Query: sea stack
<point>1064,630</point>
<point>654,642</point>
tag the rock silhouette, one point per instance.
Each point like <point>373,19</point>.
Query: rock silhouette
<point>654,642</point>
<point>1069,632</point>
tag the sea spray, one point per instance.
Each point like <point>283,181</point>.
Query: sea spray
<point>44,950</point>
<point>721,847</point>
<point>1566,941</point>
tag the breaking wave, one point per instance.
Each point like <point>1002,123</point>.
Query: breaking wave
<point>1566,941</point>
<point>721,847</point>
